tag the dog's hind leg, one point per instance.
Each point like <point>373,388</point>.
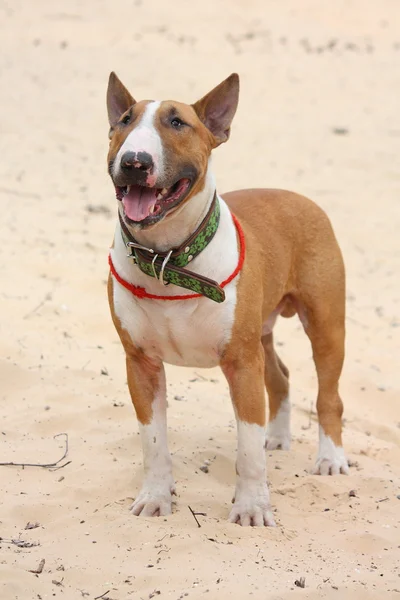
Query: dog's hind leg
<point>327,339</point>
<point>322,312</point>
<point>276,377</point>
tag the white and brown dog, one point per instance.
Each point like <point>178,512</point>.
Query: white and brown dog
<point>198,280</point>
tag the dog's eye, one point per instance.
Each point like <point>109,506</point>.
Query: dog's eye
<point>177,123</point>
<point>126,119</point>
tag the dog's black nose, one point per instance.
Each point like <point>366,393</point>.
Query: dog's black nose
<point>137,160</point>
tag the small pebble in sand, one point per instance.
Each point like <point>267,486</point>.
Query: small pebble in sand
<point>301,583</point>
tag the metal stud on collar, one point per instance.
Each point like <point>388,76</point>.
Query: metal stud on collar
<point>139,247</point>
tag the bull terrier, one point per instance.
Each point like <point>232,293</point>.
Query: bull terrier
<point>198,279</point>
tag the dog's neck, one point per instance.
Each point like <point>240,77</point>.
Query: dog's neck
<point>173,231</point>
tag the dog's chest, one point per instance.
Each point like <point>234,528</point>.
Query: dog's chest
<point>189,333</point>
<point>181,332</point>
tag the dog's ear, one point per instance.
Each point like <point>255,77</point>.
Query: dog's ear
<point>118,99</point>
<point>217,109</point>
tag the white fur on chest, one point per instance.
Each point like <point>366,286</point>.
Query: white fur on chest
<point>190,333</point>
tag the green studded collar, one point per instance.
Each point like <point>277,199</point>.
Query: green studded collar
<point>169,267</point>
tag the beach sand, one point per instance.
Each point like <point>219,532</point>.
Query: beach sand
<point>318,114</point>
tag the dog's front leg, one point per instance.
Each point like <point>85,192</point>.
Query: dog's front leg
<point>245,377</point>
<point>146,382</point>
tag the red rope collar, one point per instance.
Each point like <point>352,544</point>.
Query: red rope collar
<point>140,292</point>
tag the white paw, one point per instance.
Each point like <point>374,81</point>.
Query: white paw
<point>331,459</point>
<point>252,509</point>
<point>277,442</point>
<point>153,502</point>
<point>327,466</point>
<point>278,430</point>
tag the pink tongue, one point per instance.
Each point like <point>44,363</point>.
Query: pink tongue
<point>139,202</point>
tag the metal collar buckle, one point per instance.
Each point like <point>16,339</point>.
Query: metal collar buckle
<point>160,277</point>
<point>131,245</point>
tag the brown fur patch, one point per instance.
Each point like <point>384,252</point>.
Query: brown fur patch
<point>291,251</point>
<point>276,377</point>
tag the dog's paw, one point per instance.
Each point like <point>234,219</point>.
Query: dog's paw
<point>153,503</point>
<point>252,509</point>
<point>281,441</point>
<point>331,466</point>
<point>331,459</point>
<point>277,435</point>
<point>251,514</point>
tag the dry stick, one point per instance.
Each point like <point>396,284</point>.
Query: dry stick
<point>31,312</point>
<point>39,569</point>
<point>61,466</point>
<point>102,596</point>
<point>195,517</point>
<point>46,466</point>
<point>19,543</point>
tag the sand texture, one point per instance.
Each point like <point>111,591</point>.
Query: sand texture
<point>318,114</point>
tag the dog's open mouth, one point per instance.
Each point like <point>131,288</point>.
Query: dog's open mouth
<point>150,203</point>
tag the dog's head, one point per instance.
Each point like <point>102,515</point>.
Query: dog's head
<point>159,151</point>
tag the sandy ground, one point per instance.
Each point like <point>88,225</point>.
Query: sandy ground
<point>319,114</point>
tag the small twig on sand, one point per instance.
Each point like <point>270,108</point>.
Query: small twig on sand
<point>39,569</point>
<point>44,465</point>
<point>61,466</point>
<point>19,543</point>
<point>31,312</point>
<point>195,514</point>
<point>102,596</point>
